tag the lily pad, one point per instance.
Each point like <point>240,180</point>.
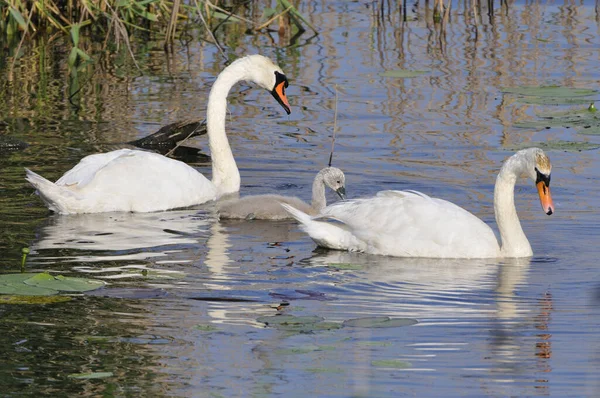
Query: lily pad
<point>14,284</point>
<point>91,375</point>
<point>573,118</point>
<point>301,324</point>
<point>379,322</point>
<point>551,95</point>
<point>63,283</point>
<point>206,327</point>
<point>553,100</point>
<point>391,363</point>
<point>586,121</point>
<point>566,146</point>
<point>403,73</point>
<point>590,130</point>
<point>44,284</point>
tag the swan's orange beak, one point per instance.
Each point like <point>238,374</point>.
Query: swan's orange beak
<point>545,197</point>
<point>278,91</point>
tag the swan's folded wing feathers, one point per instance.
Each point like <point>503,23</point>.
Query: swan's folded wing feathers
<point>400,194</point>
<point>410,224</point>
<point>85,171</point>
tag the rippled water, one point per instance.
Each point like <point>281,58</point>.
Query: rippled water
<point>179,316</point>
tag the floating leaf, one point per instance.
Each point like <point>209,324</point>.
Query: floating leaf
<point>567,146</point>
<point>595,130</point>
<point>379,322</point>
<point>403,73</point>
<point>13,284</point>
<point>44,284</point>
<point>301,324</point>
<point>305,295</point>
<point>550,91</point>
<point>585,121</point>
<point>553,100</point>
<point>91,375</point>
<point>63,283</point>
<point>206,327</point>
<point>288,320</point>
<point>391,363</point>
<point>327,326</point>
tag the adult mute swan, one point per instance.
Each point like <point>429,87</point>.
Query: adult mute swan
<point>268,207</point>
<point>411,224</point>
<point>139,181</point>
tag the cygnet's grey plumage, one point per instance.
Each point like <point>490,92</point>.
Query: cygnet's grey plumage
<point>268,207</point>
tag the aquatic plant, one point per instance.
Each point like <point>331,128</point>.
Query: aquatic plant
<point>115,21</point>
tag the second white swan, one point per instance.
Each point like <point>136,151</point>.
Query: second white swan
<point>412,224</point>
<point>139,181</point>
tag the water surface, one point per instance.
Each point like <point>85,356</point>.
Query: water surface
<point>179,316</point>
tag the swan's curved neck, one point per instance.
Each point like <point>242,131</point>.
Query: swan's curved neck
<point>318,202</point>
<point>514,243</point>
<point>225,173</point>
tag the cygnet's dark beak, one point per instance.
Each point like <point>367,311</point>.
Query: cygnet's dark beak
<point>341,191</point>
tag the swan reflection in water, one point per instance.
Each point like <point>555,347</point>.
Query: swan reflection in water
<point>470,306</point>
<point>120,236</point>
<point>426,287</point>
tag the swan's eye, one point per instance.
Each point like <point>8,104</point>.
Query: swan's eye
<point>279,78</point>
<point>541,177</point>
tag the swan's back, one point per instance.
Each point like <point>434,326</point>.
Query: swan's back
<point>261,207</point>
<point>411,224</point>
<point>125,180</point>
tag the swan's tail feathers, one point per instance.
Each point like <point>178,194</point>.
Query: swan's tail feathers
<point>56,197</point>
<point>300,216</point>
<point>325,234</point>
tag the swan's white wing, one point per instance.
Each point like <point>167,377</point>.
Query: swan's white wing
<point>125,180</point>
<point>411,224</point>
<point>87,167</point>
<point>146,181</point>
<point>400,194</point>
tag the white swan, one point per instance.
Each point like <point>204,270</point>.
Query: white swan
<point>139,181</point>
<point>411,224</point>
<point>268,207</point>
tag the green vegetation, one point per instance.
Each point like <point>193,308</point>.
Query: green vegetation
<point>44,284</point>
<point>117,21</point>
